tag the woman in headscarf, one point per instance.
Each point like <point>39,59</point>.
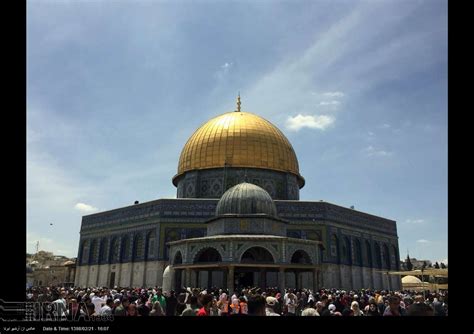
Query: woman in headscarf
<point>223,305</point>
<point>234,306</point>
<point>373,310</point>
<point>355,309</point>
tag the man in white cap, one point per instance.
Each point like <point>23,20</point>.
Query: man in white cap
<point>269,308</point>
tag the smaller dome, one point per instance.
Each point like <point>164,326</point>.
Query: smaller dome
<point>68,263</point>
<point>244,199</point>
<point>411,280</point>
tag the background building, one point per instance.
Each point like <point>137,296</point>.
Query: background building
<point>46,269</point>
<point>131,246</point>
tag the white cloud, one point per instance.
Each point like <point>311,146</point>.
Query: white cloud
<point>415,221</point>
<point>85,207</point>
<point>422,241</point>
<point>370,133</point>
<point>385,126</point>
<point>329,103</point>
<point>371,151</point>
<point>320,122</point>
<point>333,94</point>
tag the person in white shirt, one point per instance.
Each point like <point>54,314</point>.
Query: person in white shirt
<point>97,301</point>
<point>107,308</point>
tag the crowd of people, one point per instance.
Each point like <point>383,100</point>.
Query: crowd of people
<point>136,302</point>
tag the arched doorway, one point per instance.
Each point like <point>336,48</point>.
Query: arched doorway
<point>301,275</point>
<point>250,276</point>
<point>205,277</point>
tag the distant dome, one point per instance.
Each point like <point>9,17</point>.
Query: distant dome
<point>69,262</point>
<point>410,280</point>
<point>244,199</point>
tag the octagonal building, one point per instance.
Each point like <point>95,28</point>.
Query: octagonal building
<point>237,221</point>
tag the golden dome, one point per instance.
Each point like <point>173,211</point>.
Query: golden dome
<point>238,139</point>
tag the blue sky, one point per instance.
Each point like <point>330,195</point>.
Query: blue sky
<point>115,88</point>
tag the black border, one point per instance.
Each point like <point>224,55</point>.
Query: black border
<point>13,243</point>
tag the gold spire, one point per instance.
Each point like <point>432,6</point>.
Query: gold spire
<point>238,103</point>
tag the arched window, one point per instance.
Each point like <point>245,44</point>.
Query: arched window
<point>346,251</point>
<point>138,251</point>
<point>115,250</point>
<point>104,250</point>
<point>94,251</point>
<point>397,260</point>
<point>85,252</point>
<point>335,248</point>
<point>378,256</point>
<point>368,248</point>
<point>357,252</point>
<point>151,244</point>
<point>386,256</point>
<point>126,243</point>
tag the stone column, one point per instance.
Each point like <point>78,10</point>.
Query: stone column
<point>296,279</point>
<point>300,280</point>
<point>224,278</point>
<point>187,277</point>
<point>263,279</point>
<point>209,278</point>
<point>315,280</point>
<point>144,273</point>
<point>230,280</point>
<point>389,281</point>
<point>281,280</point>
<point>118,271</point>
